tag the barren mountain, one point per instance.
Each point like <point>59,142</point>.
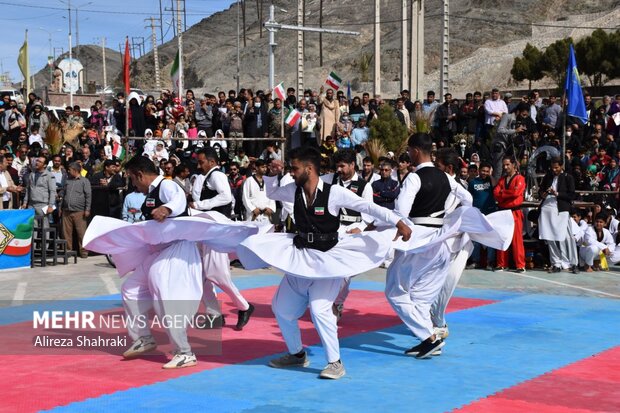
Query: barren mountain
<point>477,28</point>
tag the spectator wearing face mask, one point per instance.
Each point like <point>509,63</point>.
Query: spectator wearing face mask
<point>464,150</point>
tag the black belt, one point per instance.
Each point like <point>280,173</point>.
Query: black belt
<point>311,237</point>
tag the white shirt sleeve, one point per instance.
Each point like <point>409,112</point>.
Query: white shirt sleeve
<point>407,195</point>
<point>173,197</point>
<point>287,207</point>
<point>340,197</point>
<point>217,182</point>
<point>284,193</point>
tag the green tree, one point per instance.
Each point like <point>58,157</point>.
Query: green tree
<point>529,66</point>
<point>555,59</point>
<point>388,129</point>
<point>593,57</point>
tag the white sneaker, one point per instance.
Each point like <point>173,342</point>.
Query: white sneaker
<point>333,371</point>
<point>441,332</point>
<point>140,346</point>
<point>180,361</point>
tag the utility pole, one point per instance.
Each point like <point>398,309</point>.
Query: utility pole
<point>377,71</point>
<point>272,26</point>
<point>70,57</point>
<point>445,49</point>
<point>321,34</point>
<point>300,50</point>
<point>404,72</point>
<point>161,23</point>
<point>238,46</point>
<point>180,39</point>
<point>105,73</point>
<point>155,51</point>
<point>174,26</point>
<point>417,49</point>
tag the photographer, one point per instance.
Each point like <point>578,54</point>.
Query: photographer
<point>512,134</point>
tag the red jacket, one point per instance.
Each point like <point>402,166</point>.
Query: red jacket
<point>511,195</point>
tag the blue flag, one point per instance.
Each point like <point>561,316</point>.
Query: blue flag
<point>349,91</point>
<point>576,103</point>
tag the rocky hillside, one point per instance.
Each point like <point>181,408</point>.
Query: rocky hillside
<point>91,58</point>
<point>477,28</point>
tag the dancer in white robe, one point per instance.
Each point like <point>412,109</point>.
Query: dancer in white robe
<point>316,260</point>
<point>350,221</point>
<point>161,257</point>
<point>212,193</point>
<point>448,161</point>
<point>419,270</point>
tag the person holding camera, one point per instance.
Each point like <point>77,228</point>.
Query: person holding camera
<point>512,135</point>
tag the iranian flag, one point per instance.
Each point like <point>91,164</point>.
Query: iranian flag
<point>118,151</point>
<point>292,118</point>
<point>334,81</point>
<point>279,91</point>
<point>16,242</point>
<point>175,74</point>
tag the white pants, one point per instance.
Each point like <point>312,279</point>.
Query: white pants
<point>216,272</point>
<point>412,285</point>
<point>345,288</point>
<point>170,281</point>
<point>438,309</point>
<point>290,302</point>
<point>589,254</point>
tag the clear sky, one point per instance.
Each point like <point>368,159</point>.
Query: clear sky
<point>112,19</point>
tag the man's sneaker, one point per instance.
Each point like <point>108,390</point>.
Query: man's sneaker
<point>441,332</point>
<point>244,317</point>
<point>333,371</point>
<point>337,310</point>
<point>415,350</point>
<point>426,349</point>
<point>499,269</point>
<point>140,346</point>
<point>575,269</point>
<point>209,322</point>
<point>471,266</point>
<point>290,360</point>
<point>181,360</point>
<point>520,270</point>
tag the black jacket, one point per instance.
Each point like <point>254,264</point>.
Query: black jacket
<point>566,189</point>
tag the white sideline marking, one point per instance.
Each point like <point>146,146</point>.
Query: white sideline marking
<point>20,293</point>
<point>566,285</point>
<point>109,283</point>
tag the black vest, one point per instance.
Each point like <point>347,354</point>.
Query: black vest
<point>207,193</point>
<point>357,187</point>
<point>316,218</point>
<point>153,201</point>
<point>434,189</point>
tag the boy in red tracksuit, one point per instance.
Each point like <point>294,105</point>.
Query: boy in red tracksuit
<point>509,195</point>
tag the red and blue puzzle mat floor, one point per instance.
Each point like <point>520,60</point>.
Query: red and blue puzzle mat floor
<point>507,352</point>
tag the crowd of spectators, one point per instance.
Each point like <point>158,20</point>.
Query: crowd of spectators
<point>69,183</point>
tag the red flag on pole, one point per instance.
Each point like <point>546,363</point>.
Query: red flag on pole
<point>126,61</point>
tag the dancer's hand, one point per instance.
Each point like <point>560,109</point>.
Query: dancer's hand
<point>160,213</point>
<point>402,230</point>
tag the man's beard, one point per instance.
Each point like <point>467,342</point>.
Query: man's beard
<point>301,179</point>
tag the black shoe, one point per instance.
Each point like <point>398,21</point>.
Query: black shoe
<point>498,269</point>
<point>556,269</point>
<point>244,317</point>
<point>522,270</point>
<point>426,349</point>
<point>209,322</point>
<point>575,269</point>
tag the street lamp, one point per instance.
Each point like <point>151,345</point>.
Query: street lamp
<point>51,55</point>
